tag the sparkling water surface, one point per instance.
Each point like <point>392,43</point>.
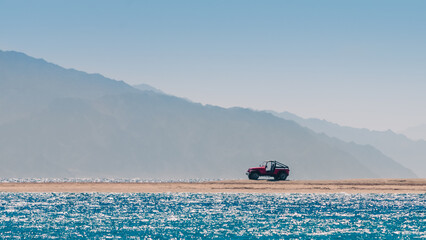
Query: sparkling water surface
<point>211,216</point>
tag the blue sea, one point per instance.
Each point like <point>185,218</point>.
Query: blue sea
<point>211,216</point>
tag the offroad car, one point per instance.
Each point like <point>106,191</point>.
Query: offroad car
<point>269,168</point>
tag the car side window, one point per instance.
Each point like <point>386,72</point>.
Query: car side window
<point>268,166</point>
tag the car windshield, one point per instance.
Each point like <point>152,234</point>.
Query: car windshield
<point>263,164</point>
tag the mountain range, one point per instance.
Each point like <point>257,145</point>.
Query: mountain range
<point>57,122</point>
<point>410,153</point>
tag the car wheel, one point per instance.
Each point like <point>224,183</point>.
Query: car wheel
<point>282,176</point>
<point>253,175</point>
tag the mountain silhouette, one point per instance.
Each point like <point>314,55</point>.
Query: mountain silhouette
<point>57,122</point>
<point>403,150</point>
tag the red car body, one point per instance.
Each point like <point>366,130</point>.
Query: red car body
<point>269,168</point>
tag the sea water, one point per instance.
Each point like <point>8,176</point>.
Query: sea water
<point>211,216</point>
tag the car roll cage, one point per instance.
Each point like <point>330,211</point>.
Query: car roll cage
<point>277,164</point>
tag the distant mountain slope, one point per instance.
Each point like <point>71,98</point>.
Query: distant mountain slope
<point>140,135</point>
<point>146,87</point>
<point>409,153</point>
<point>27,85</point>
<point>367,155</point>
<point>64,123</point>
<point>416,133</point>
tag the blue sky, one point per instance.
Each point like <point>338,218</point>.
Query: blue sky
<point>356,63</point>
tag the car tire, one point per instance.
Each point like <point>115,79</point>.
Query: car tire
<point>254,176</point>
<point>282,176</point>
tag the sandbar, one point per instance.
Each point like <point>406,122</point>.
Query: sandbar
<point>228,186</point>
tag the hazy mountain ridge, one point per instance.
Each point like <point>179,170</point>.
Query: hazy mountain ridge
<point>146,87</point>
<point>21,95</point>
<point>416,133</point>
<point>371,157</point>
<point>73,124</point>
<point>403,150</point>
<point>157,142</point>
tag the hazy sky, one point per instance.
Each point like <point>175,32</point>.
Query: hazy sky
<point>356,63</point>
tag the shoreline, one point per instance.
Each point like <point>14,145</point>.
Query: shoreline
<point>415,185</point>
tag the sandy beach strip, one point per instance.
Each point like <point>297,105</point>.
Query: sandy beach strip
<point>230,186</point>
